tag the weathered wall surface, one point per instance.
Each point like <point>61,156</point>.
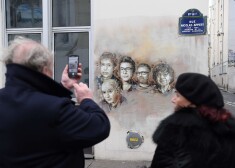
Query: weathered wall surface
<point>145,32</point>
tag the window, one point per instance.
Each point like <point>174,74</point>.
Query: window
<point>23,13</point>
<point>68,43</point>
<point>34,36</point>
<point>70,13</point>
<point>71,22</point>
<point>61,25</point>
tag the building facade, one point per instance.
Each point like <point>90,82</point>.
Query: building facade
<point>133,46</point>
<point>222,43</point>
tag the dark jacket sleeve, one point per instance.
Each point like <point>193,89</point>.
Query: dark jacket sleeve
<point>184,139</point>
<point>172,136</point>
<point>82,126</point>
<point>169,153</point>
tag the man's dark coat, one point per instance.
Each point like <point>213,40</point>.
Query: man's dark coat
<point>40,127</point>
<point>187,140</point>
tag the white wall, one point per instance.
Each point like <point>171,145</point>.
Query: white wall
<point>105,9</point>
<point>148,32</point>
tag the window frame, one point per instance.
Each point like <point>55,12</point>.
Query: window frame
<point>47,31</point>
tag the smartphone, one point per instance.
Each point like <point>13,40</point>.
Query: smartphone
<point>73,61</point>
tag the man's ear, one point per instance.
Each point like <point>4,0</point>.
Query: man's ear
<point>47,71</point>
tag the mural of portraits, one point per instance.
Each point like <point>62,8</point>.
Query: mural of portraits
<point>111,94</point>
<point>163,75</point>
<point>120,76</point>
<point>145,53</point>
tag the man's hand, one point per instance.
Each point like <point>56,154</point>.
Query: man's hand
<point>68,82</point>
<point>82,91</point>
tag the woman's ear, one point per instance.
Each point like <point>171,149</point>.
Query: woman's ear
<point>192,105</point>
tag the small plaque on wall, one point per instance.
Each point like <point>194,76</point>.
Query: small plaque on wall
<point>134,139</point>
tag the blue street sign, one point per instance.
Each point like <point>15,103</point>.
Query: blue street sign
<point>192,23</point>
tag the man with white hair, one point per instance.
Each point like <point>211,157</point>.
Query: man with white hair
<point>40,126</point>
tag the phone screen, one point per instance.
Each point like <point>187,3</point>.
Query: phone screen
<point>73,65</point>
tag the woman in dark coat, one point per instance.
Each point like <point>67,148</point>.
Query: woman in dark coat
<point>200,133</point>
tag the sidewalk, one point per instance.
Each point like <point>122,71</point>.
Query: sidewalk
<point>92,163</point>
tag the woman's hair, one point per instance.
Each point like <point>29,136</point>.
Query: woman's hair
<point>163,67</point>
<point>29,53</point>
<point>214,114</point>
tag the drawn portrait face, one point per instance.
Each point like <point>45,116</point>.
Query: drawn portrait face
<point>143,74</point>
<point>126,71</point>
<point>106,68</point>
<point>164,78</point>
<point>110,93</point>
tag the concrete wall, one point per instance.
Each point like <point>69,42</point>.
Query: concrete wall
<point>146,31</point>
